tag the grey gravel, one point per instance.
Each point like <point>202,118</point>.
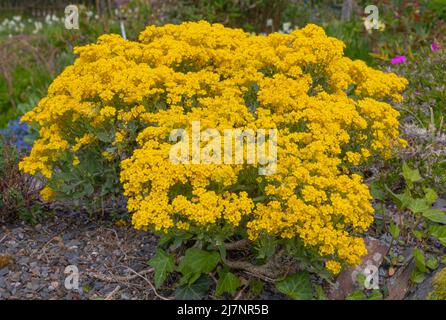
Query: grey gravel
<point>41,253</point>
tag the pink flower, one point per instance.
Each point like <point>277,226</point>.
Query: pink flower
<point>434,46</point>
<point>398,59</point>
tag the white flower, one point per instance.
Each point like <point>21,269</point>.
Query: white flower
<point>286,27</point>
<point>370,24</point>
<point>37,27</point>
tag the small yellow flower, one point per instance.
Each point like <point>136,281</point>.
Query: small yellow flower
<point>47,193</point>
<point>108,112</point>
<point>333,266</point>
<point>107,155</point>
<point>119,137</point>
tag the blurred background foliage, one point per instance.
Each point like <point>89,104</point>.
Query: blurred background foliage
<point>35,46</point>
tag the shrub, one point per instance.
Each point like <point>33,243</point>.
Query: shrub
<point>18,191</point>
<point>439,286</point>
<point>111,113</point>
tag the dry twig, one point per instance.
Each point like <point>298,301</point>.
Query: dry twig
<point>263,272</point>
<point>150,284</point>
<point>112,294</point>
<point>114,278</point>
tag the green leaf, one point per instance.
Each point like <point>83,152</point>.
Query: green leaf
<point>430,195</point>
<point>196,262</point>
<point>432,263</point>
<point>435,215</point>
<point>163,264</point>
<point>165,238</point>
<point>223,253</point>
<point>256,286</point>
<point>420,260</point>
<point>375,295</point>
<point>402,200</point>
<point>195,291</point>
<point>227,282</point>
<point>266,247</point>
<point>88,189</point>
<point>376,192</point>
<point>320,293</point>
<point>104,136</point>
<point>357,295</point>
<point>417,276</point>
<point>179,239</point>
<point>296,286</point>
<point>438,232</point>
<point>394,231</point>
<point>418,234</point>
<point>360,279</point>
<point>411,175</point>
<point>418,205</point>
<point>259,199</point>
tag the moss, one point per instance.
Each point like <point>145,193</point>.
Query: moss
<point>439,284</point>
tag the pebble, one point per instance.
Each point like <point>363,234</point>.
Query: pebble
<point>35,271</point>
<point>45,250</point>
<point>23,260</point>
<point>12,244</point>
<point>4,271</point>
<point>14,286</point>
<point>25,277</point>
<point>54,285</point>
<point>73,243</point>
<point>15,276</point>
<point>54,276</point>
<point>124,297</point>
<point>30,287</point>
<point>4,294</point>
<point>44,272</point>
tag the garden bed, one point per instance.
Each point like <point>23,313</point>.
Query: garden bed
<point>347,203</point>
<point>111,259</point>
<point>40,254</point>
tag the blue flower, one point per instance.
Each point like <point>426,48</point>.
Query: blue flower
<point>18,134</point>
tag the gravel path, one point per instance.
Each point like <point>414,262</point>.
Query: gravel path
<point>99,250</point>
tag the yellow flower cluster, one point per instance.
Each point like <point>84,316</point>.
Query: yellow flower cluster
<point>47,193</point>
<point>330,113</point>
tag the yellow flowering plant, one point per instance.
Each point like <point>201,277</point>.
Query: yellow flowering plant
<point>109,116</point>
